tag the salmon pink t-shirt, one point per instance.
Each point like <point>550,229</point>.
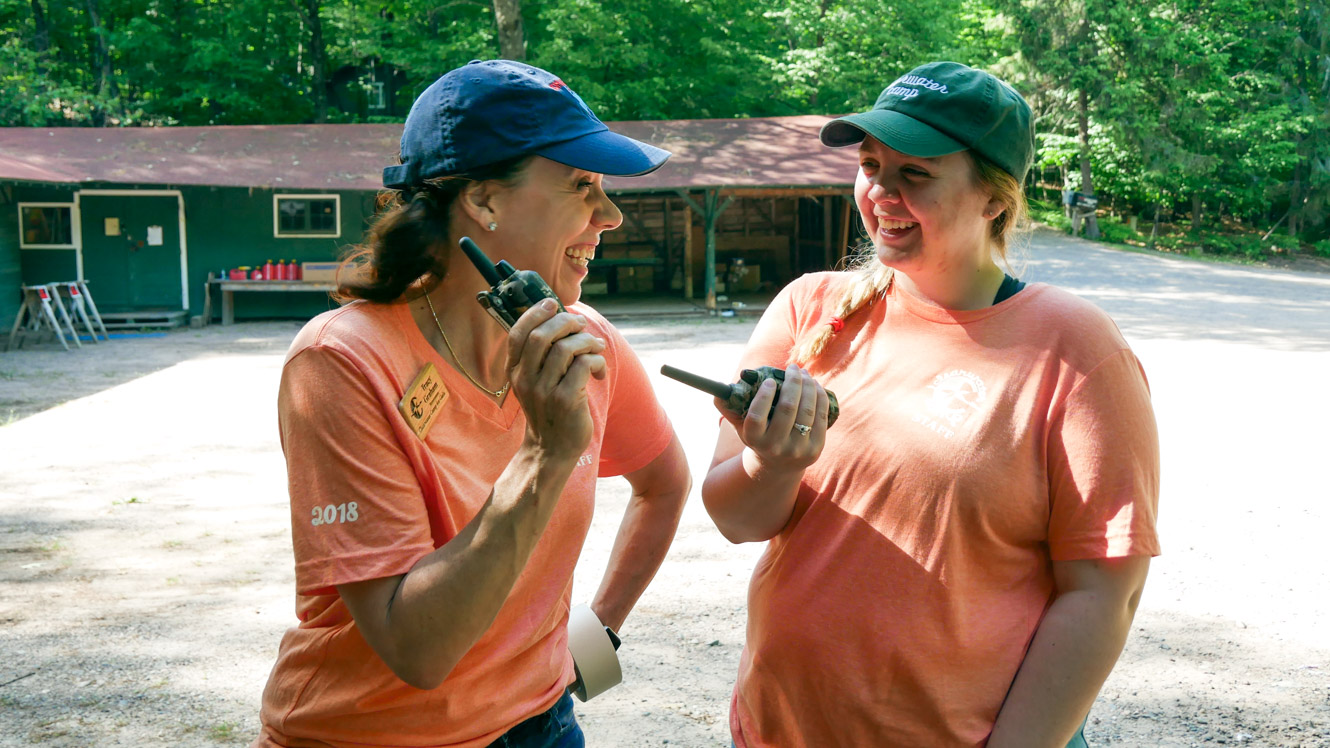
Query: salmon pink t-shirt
<point>369,499</point>
<point>973,449</point>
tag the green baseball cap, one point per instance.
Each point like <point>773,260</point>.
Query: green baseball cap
<point>941,108</point>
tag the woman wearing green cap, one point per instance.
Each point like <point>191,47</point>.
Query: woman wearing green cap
<point>442,469</point>
<point>958,560</point>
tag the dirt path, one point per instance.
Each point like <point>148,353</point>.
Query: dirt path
<point>145,568</point>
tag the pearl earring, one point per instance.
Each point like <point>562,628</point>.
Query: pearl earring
<point>492,226</point>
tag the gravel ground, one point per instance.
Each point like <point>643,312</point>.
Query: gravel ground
<point>145,567</point>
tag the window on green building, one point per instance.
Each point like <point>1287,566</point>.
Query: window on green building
<point>306,215</point>
<point>377,97</point>
<point>46,225</point>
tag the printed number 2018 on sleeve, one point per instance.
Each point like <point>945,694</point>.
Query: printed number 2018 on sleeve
<point>334,514</point>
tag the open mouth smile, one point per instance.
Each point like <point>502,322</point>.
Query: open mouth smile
<point>893,228</point>
<point>582,254</point>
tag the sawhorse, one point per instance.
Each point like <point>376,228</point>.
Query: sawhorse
<point>37,311</point>
<point>43,307</point>
<point>80,303</point>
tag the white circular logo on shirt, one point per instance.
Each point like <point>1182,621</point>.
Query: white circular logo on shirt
<point>956,394</point>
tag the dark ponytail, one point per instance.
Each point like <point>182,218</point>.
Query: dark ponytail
<point>408,241</point>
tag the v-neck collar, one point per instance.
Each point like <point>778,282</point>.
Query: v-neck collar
<point>504,414</point>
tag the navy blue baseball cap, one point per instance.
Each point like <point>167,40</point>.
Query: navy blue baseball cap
<point>494,110</point>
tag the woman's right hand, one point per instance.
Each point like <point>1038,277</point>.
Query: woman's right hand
<point>550,360</point>
<point>776,438</point>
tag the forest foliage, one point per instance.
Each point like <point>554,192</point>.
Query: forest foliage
<point>1206,114</point>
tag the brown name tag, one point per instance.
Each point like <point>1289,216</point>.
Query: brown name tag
<point>423,400</point>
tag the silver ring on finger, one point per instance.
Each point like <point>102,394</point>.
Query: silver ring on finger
<point>802,429</point>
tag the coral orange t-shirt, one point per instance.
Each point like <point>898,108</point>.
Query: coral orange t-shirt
<point>973,449</point>
<point>369,498</point>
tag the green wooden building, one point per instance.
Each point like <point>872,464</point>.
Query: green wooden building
<point>145,214</point>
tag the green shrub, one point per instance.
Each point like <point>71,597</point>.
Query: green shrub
<point>1230,245</point>
<point>1283,243</point>
<point>1170,242</point>
<point>1050,214</point>
<point>1115,231</point>
<point>1220,245</point>
<point>1250,246</point>
<point>1322,248</point>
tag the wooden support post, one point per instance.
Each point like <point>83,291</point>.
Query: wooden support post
<point>714,208</point>
<point>687,252</point>
<point>845,219</point>
<point>826,232</point>
<point>796,248</point>
<point>711,209</point>
<point>228,306</point>
<point>709,271</point>
<point>669,243</point>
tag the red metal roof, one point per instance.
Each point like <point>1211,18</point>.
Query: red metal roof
<point>761,152</point>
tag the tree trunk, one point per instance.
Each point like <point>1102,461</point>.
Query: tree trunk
<point>1196,216</point>
<point>41,40</point>
<point>508,20</point>
<point>101,65</point>
<point>318,58</point>
<point>820,41</point>
<point>1294,197</point>
<point>1087,186</point>
<point>1154,229</point>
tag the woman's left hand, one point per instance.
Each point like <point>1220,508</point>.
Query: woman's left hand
<point>792,436</point>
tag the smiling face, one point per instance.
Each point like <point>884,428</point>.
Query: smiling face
<point>927,217</point>
<point>550,221</point>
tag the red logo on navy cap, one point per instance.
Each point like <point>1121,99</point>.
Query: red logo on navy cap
<point>558,85</point>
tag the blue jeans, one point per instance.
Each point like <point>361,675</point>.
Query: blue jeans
<point>555,727</point>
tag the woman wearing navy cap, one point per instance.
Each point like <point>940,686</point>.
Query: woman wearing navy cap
<point>956,562</point>
<point>442,470</point>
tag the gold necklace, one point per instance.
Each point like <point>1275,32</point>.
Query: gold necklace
<point>492,393</point>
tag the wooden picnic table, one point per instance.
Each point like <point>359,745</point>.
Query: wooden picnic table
<point>229,288</point>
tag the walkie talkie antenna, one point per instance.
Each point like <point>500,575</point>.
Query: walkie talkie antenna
<point>709,386</point>
<point>480,260</point>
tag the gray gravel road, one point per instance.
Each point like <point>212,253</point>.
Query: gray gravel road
<point>145,562</point>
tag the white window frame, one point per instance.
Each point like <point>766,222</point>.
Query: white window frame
<point>276,215</point>
<point>378,98</point>
<point>73,226</point>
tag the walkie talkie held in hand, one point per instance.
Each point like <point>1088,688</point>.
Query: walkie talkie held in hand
<point>512,291</point>
<point>739,396</point>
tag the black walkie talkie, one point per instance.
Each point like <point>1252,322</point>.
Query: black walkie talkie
<point>739,395</point>
<point>512,291</point>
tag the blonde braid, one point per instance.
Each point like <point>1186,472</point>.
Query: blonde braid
<point>871,279</point>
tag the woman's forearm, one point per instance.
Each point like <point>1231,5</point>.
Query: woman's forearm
<point>644,537</point>
<point>750,501</point>
<point>423,622</point>
<point>1072,654</point>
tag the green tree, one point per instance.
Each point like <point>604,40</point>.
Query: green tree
<point>838,55</point>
